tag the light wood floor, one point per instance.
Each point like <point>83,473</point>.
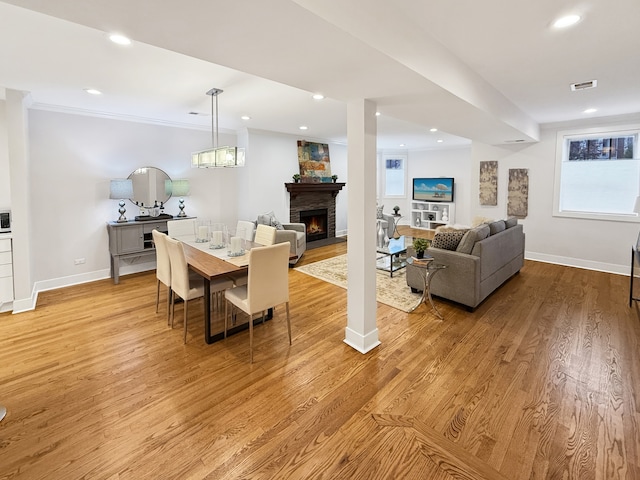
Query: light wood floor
<point>541,381</point>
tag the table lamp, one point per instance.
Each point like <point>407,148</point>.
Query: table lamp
<point>119,190</point>
<point>180,188</point>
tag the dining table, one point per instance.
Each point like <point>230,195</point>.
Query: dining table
<point>215,264</point>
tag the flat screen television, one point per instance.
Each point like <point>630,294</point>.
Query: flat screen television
<point>433,189</point>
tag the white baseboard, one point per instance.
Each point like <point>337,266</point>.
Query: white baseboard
<point>361,343</point>
<point>579,263</point>
<point>6,307</point>
<point>27,304</point>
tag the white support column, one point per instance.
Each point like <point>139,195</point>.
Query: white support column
<point>18,145</point>
<point>361,332</point>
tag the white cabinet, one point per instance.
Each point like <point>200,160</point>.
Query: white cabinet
<point>6,271</point>
<point>430,215</point>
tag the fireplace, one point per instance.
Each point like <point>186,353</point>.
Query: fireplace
<point>316,222</point>
<point>312,197</point>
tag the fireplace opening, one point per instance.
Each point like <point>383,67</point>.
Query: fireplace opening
<point>316,222</point>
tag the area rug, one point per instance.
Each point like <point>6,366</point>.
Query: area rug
<point>390,291</point>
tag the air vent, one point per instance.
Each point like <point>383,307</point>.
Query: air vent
<point>584,85</point>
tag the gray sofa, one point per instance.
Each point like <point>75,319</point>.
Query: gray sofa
<point>485,257</point>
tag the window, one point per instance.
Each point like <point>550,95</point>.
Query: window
<point>395,167</point>
<point>597,173</point>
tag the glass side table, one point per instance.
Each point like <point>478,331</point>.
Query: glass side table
<point>396,220</point>
<point>428,269</point>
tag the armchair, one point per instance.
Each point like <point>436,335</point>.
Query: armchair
<point>295,234</point>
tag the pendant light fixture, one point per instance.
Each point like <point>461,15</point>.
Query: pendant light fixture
<point>217,156</point>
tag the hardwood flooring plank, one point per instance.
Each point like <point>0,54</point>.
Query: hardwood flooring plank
<point>541,381</point>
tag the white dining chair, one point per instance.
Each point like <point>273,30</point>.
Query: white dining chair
<point>267,286</point>
<point>182,285</point>
<point>265,235</point>
<point>163,267</point>
<point>245,229</point>
<point>182,228</point>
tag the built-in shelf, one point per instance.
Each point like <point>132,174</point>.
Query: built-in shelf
<point>430,215</point>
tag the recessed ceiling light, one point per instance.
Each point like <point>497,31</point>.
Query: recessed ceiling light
<point>303,127</point>
<point>93,91</point>
<point>439,140</point>
<point>433,130</point>
<point>590,110</point>
<point>403,145</point>
<point>377,114</point>
<point>566,21</point>
<point>119,39</point>
<point>318,96</point>
<point>245,117</point>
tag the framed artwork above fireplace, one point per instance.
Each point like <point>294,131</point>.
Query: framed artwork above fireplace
<point>314,162</point>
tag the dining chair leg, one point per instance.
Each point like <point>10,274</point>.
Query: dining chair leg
<point>184,340</point>
<point>157,294</point>
<point>169,295</point>
<point>288,322</point>
<point>226,311</point>
<point>250,338</point>
<point>173,308</point>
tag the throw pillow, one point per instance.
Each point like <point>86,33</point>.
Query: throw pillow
<point>276,223</point>
<point>447,240</point>
<point>471,237</point>
<point>379,212</point>
<point>496,227</point>
<point>511,222</point>
<point>270,219</point>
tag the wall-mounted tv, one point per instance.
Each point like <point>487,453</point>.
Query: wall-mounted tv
<point>433,189</point>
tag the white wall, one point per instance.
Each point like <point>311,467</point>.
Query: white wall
<point>271,161</point>
<point>594,244</point>
<point>72,160</point>
<point>453,162</point>
<point>5,184</point>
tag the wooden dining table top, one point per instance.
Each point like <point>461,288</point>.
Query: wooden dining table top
<point>209,266</point>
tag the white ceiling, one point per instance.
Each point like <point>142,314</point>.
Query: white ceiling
<point>491,71</point>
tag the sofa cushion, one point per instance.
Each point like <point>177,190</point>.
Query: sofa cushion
<point>471,237</point>
<point>511,222</point>
<point>448,240</point>
<point>496,227</point>
<point>379,212</point>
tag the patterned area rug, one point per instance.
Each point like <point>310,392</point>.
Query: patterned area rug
<point>390,291</point>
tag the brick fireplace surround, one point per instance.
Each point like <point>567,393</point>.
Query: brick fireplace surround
<point>311,196</point>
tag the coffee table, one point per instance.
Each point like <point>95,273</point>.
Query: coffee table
<point>392,257</point>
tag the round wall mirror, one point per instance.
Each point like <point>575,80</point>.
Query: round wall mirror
<point>150,185</point>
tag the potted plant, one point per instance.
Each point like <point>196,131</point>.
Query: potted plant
<point>420,245</point>
<point>334,178</point>
<point>396,209</point>
<point>296,177</point>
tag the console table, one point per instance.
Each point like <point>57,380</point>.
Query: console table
<point>132,239</point>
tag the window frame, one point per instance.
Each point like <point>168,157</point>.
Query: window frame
<point>404,158</point>
<point>562,145</point>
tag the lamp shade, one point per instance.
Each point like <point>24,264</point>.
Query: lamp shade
<point>121,188</point>
<point>180,187</point>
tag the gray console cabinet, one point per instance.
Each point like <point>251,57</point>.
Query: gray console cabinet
<point>131,239</point>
